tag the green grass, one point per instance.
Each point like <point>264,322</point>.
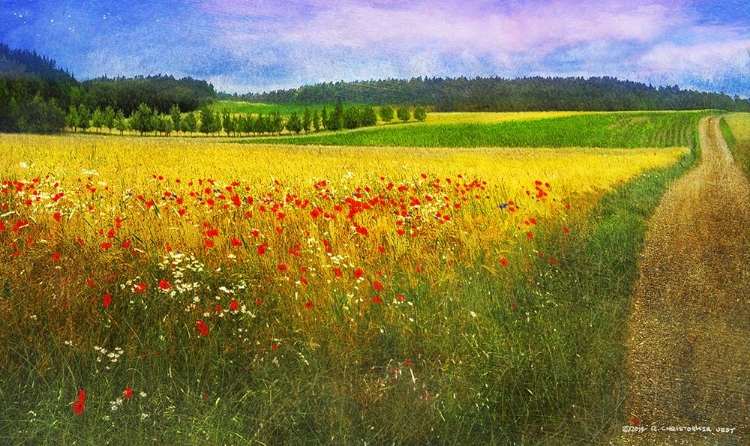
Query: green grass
<point>625,130</point>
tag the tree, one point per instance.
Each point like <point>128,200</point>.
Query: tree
<point>335,120</point>
<point>120,123</point>
<point>40,116</point>
<point>294,124</point>
<point>386,113</point>
<point>176,117</point>
<point>420,114</point>
<point>306,120</point>
<point>367,116</point>
<point>97,120</point>
<point>276,123</point>
<point>84,117</point>
<point>209,121</point>
<point>142,120</point>
<point>73,119</point>
<point>226,121</point>
<point>352,118</point>
<point>403,113</point>
<point>189,124</point>
<point>316,121</point>
<point>324,118</point>
<point>109,117</point>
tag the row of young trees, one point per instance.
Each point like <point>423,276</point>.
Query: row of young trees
<point>145,120</point>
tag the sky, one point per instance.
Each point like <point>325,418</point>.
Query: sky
<point>263,45</point>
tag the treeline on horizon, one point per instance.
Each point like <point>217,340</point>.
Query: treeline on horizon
<point>36,96</point>
<point>505,95</point>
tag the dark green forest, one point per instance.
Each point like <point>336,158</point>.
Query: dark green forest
<point>498,94</point>
<point>38,97</point>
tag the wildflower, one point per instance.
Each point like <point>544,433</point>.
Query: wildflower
<point>233,305</point>
<point>504,262</point>
<point>80,405</point>
<point>107,300</point>
<point>282,267</point>
<point>358,273</point>
<point>530,235</point>
<point>128,392</point>
<point>309,305</point>
<point>378,286</point>
<point>236,243</point>
<point>262,249</point>
<point>106,245</point>
<point>56,256</point>
<point>377,300</point>
<point>202,327</point>
<point>139,288</point>
<point>164,285</point>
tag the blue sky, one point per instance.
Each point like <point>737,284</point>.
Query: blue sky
<point>262,45</point>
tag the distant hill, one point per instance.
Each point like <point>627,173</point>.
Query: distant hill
<point>33,92</point>
<point>36,95</point>
<point>498,94</point>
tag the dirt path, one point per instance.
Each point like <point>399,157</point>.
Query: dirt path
<point>689,329</point>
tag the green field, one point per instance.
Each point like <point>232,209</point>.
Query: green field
<point>257,108</point>
<point>625,130</point>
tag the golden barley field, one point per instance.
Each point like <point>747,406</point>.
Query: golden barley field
<point>270,289</point>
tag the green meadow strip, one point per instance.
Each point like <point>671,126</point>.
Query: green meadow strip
<point>736,130</point>
<point>608,130</point>
<point>591,290</point>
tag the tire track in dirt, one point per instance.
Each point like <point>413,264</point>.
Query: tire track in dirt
<point>688,350</point>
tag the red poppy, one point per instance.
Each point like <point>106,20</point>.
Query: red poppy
<point>530,235</point>
<point>337,272</point>
<point>218,309</point>
<point>57,216</point>
<point>126,244</point>
<point>377,300</point>
<point>164,285</point>
<point>128,392</point>
<point>141,287</point>
<point>233,305</point>
<point>202,327</point>
<point>378,286</point>
<point>504,262</point>
<point>90,283</point>
<point>309,304</point>
<point>106,245</point>
<point>358,273</point>
<point>553,260</point>
<point>282,267</point>
<point>208,243</point>
<point>78,407</point>
<point>107,300</point>
<point>400,297</point>
<point>262,249</point>
<point>236,243</point>
<point>566,230</point>
<point>56,256</point>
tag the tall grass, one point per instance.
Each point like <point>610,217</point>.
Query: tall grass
<point>624,130</point>
<point>500,323</point>
<point>736,130</point>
